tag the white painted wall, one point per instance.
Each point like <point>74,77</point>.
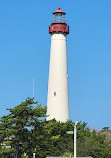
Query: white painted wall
<point>57,106</point>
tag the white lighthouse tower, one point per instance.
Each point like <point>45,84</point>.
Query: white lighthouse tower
<point>57,100</point>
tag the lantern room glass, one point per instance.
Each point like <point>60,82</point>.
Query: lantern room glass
<point>58,18</point>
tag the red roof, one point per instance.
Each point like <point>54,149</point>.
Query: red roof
<point>59,11</point>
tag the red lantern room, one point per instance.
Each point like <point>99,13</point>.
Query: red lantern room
<point>59,24</point>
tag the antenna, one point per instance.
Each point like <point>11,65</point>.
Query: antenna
<point>33,87</point>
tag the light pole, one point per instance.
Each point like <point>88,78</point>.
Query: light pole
<point>33,155</point>
<point>75,139</point>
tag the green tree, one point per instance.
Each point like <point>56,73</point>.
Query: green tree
<point>89,143</point>
<point>105,129</point>
<point>59,141</point>
<point>22,126</point>
<point>92,143</point>
<point>25,130</point>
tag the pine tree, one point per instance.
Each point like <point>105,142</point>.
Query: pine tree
<point>21,129</point>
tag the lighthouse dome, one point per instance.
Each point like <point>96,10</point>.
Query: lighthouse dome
<point>59,16</point>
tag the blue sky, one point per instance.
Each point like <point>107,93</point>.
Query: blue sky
<point>25,53</point>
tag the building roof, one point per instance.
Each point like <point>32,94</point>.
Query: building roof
<point>59,11</point>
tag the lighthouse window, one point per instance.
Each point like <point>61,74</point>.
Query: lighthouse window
<point>58,18</point>
<point>54,93</point>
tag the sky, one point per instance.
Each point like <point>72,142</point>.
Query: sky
<point>25,54</point>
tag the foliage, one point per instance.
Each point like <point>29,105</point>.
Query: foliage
<point>89,143</point>
<point>25,130</point>
<point>21,127</point>
<point>105,129</point>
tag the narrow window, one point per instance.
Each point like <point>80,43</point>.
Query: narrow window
<point>54,93</point>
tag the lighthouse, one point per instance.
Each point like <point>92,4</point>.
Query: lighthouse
<point>57,98</point>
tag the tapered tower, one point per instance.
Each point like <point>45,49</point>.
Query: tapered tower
<point>57,99</point>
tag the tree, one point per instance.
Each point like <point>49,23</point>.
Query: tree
<point>105,129</point>
<point>25,130</point>
<point>92,143</point>
<point>22,126</point>
<point>89,143</point>
<point>59,141</point>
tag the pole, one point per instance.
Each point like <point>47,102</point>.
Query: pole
<point>33,87</point>
<point>33,155</point>
<point>74,141</point>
